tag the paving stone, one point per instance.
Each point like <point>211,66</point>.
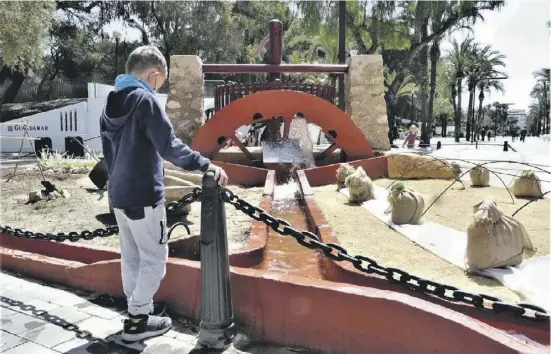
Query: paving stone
<point>93,309</point>
<point>6,312</point>
<point>101,328</point>
<point>70,314</point>
<point>42,305</point>
<point>49,335</point>
<point>20,323</point>
<point>73,344</point>
<point>166,345</point>
<point>8,341</point>
<point>30,348</point>
<point>100,347</point>
<point>14,296</point>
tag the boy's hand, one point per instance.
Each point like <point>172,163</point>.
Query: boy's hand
<point>219,175</point>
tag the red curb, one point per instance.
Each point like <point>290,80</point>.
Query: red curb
<point>294,311</point>
<point>344,272</point>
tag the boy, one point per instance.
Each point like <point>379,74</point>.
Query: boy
<point>136,136</point>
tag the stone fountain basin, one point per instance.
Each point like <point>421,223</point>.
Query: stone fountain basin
<point>356,314</point>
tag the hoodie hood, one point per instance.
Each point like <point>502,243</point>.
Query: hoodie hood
<point>119,108</point>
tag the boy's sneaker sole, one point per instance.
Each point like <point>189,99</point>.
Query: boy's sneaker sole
<point>143,336</point>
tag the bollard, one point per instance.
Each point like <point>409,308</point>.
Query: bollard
<point>439,145</point>
<point>476,144</point>
<point>505,146</point>
<point>217,328</point>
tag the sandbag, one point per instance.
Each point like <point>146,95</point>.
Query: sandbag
<point>494,239</point>
<point>406,205</point>
<point>480,176</point>
<point>360,186</point>
<point>526,185</point>
<point>343,171</point>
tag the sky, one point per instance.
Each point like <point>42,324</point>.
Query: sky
<point>518,31</point>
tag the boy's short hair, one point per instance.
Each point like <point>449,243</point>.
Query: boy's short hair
<point>145,57</point>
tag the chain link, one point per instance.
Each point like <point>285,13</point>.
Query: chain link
<point>367,265</point>
<point>55,320</point>
<point>73,236</point>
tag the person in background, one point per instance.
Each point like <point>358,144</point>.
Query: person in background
<point>136,136</point>
<point>412,135</point>
<point>523,133</point>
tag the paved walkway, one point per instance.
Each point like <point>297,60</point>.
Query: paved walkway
<point>38,318</point>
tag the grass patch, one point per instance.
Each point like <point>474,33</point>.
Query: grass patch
<point>60,161</point>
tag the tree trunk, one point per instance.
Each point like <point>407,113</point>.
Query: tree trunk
<point>478,120</point>
<point>5,74</point>
<point>390,100</point>
<point>434,57</point>
<point>17,80</point>
<point>458,112</point>
<point>469,113</point>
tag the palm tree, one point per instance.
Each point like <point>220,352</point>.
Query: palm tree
<point>485,86</point>
<point>458,59</point>
<point>482,69</point>
<point>540,92</point>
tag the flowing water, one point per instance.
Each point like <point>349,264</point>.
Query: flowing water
<point>283,254</point>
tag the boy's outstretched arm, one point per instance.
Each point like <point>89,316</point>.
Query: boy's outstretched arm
<point>159,130</point>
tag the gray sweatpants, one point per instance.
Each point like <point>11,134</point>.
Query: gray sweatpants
<point>144,252</point>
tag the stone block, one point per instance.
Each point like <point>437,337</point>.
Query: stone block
<point>414,166</point>
<point>185,104</point>
<point>20,323</point>
<point>101,328</point>
<point>173,193</point>
<point>172,180</point>
<point>365,102</point>
<point>30,348</point>
<point>49,335</point>
<point>8,341</point>
<point>70,314</point>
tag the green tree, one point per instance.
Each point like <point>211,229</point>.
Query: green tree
<point>24,26</point>
<point>540,92</point>
<point>483,66</point>
<point>458,59</point>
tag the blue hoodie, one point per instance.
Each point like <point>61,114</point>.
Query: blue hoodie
<point>136,136</point>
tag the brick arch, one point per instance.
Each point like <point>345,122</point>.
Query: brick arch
<point>267,104</point>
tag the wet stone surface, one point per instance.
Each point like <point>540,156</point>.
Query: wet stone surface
<point>42,318</point>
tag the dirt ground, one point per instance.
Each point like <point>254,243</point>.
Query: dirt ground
<point>454,209</point>
<point>87,208</point>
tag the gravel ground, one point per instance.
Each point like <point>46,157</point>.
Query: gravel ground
<point>390,248</point>
<point>87,208</point>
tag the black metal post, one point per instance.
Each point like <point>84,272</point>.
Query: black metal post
<point>505,146</point>
<point>438,145</point>
<point>342,50</point>
<point>217,328</point>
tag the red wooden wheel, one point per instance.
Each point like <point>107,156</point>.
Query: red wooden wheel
<point>262,106</point>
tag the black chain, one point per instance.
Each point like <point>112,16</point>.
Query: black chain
<point>331,250</point>
<point>172,207</point>
<point>60,322</point>
<point>367,265</point>
<point>187,199</point>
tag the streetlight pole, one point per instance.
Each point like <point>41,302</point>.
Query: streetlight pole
<point>342,44</point>
<point>117,34</point>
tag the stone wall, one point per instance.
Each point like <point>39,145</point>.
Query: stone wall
<point>185,102</point>
<point>365,102</point>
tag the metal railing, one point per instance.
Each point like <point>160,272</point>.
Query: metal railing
<point>226,94</point>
